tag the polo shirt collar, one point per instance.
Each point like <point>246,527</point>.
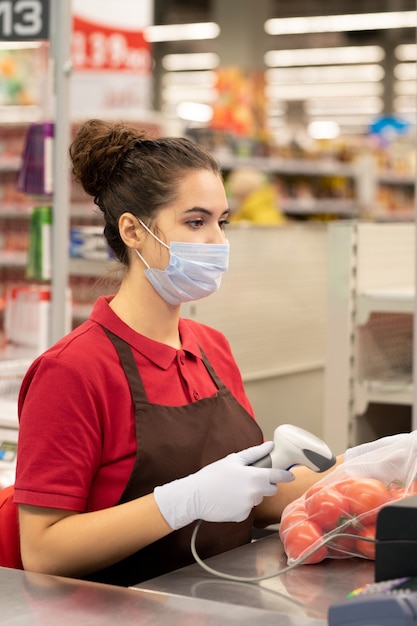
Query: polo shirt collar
<point>157,352</point>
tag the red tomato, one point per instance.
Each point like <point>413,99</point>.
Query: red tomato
<point>344,485</point>
<point>301,538</point>
<point>366,497</point>
<point>327,507</point>
<point>290,517</point>
<point>366,548</point>
<point>341,546</point>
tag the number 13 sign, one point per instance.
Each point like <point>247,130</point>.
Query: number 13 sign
<point>24,20</point>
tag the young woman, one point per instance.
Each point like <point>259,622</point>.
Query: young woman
<point>136,424</point>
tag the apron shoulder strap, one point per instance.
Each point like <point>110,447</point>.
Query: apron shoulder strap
<point>129,366</point>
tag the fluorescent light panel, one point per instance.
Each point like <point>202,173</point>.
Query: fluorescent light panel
<point>191,61</point>
<point>340,23</point>
<point>405,88</point>
<point>182,32</point>
<point>20,45</point>
<point>188,94</point>
<point>406,52</point>
<point>324,56</point>
<point>405,71</point>
<point>303,92</point>
<point>325,74</point>
<point>350,106</point>
<point>345,120</point>
<point>194,112</point>
<point>405,104</point>
<point>323,129</point>
<point>181,79</point>
<point>404,109</point>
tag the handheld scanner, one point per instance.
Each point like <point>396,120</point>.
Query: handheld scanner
<point>296,446</point>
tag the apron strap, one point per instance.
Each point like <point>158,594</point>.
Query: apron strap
<point>218,382</point>
<point>129,366</point>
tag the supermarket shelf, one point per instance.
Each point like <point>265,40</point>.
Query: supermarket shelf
<point>393,216</point>
<point>10,164</point>
<point>324,167</point>
<point>393,178</point>
<point>12,258</point>
<point>81,311</point>
<point>15,211</point>
<point>8,413</point>
<point>399,391</point>
<point>85,210</point>
<point>89,267</point>
<point>78,267</point>
<point>306,206</point>
<point>392,300</point>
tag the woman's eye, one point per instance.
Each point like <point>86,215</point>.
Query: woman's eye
<point>196,223</point>
<point>224,223</point>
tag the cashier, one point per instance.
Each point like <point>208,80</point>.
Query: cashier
<point>136,424</point>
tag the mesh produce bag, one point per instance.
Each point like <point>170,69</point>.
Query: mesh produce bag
<point>348,501</point>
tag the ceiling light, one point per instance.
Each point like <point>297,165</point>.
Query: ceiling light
<point>348,106</point>
<point>346,120</point>
<point>405,104</point>
<point>192,61</point>
<point>326,74</point>
<point>303,92</point>
<point>326,129</point>
<point>324,56</point>
<point>406,52</point>
<point>181,32</point>
<point>405,88</point>
<point>185,94</point>
<point>20,45</point>
<point>200,78</point>
<point>405,71</point>
<point>340,23</point>
<point>194,112</point>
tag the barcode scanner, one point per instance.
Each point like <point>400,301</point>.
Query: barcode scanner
<point>295,446</point>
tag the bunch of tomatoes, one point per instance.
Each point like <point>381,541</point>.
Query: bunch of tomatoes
<point>349,506</point>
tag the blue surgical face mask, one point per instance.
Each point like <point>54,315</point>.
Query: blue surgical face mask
<point>194,271</point>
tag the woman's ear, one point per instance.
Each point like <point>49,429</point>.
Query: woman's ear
<point>131,232</point>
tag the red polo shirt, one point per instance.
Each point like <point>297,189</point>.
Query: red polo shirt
<point>77,441</point>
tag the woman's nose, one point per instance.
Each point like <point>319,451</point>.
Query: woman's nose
<point>217,235</point>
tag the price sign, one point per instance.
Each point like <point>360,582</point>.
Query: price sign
<point>24,20</point>
<point>96,47</point>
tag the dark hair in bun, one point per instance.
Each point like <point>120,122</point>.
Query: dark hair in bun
<point>126,171</point>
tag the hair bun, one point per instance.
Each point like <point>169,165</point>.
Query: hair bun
<point>98,150</point>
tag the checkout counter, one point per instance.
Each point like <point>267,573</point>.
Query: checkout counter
<point>190,596</point>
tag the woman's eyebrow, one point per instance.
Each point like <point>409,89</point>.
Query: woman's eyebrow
<point>198,209</point>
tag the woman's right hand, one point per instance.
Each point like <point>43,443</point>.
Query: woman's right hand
<point>224,491</point>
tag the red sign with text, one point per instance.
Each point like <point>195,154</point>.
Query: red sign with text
<point>96,47</point>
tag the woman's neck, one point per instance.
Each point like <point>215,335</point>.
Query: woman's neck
<point>145,312</point>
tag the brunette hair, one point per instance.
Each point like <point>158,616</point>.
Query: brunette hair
<point>125,171</point>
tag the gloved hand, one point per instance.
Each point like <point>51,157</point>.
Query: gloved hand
<point>352,453</point>
<point>224,491</point>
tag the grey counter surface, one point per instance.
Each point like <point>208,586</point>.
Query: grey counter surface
<point>189,596</point>
<point>29,599</point>
<point>301,596</point>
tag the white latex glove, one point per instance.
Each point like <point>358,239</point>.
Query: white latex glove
<point>224,491</point>
<point>377,444</point>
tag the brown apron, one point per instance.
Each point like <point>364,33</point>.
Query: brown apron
<point>172,442</point>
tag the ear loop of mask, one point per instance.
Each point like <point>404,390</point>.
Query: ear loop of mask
<point>155,237</point>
